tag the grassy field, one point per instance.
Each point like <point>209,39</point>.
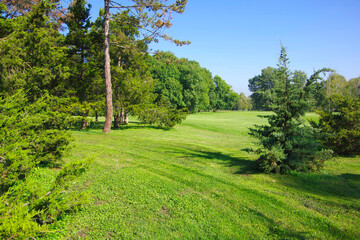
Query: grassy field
<point>196,182</point>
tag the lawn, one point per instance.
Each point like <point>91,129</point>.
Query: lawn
<point>196,182</point>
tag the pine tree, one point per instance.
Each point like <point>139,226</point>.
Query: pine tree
<point>150,23</point>
<point>287,142</point>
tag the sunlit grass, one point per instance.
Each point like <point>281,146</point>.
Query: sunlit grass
<point>196,182</point>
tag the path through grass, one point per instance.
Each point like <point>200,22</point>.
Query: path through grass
<point>195,182</point>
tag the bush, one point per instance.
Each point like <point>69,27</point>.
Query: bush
<point>34,135</point>
<point>341,125</point>
<point>160,115</point>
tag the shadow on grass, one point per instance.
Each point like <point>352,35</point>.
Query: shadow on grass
<point>132,125</point>
<point>244,166</point>
<point>276,230</point>
<point>344,186</point>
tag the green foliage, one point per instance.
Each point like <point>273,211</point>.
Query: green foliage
<point>183,83</point>
<point>262,87</point>
<point>161,115</point>
<point>341,125</point>
<point>32,56</point>
<point>33,135</point>
<point>287,143</point>
<point>243,103</point>
<point>353,87</point>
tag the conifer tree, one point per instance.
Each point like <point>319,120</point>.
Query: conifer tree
<point>287,143</point>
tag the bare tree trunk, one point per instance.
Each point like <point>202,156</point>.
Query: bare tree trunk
<point>126,118</point>
<point>84,124</point>
<point>122,115</point>
<point>116,120</point>
<point>109,108</point>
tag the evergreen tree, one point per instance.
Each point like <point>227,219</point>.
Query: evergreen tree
<point>78,43</point>
<point>33,136</point>
<point>287,143</point>
<point>33,55</point>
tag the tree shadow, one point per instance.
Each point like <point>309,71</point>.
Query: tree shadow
<point>276,230</point>
<point>244,166</point>
<point>132,125</point>
<point>345,186</point>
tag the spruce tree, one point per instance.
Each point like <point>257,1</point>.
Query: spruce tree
<point>287,143</point>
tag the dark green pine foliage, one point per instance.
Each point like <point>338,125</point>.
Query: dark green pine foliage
<point>85,73</point>
<point>33,55</point>
<point>287,143</point>
<point>5,24</point>
<point>78,42</point>
<point>34,136</point>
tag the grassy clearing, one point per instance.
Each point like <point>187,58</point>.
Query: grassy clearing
<point>195,182</point>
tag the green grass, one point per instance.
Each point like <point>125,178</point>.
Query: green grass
<point>195,182</point>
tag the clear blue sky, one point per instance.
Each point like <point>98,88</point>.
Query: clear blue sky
<point>235,39</point>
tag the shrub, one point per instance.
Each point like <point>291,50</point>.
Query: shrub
<point>341,125</point>
<point>34,135</point>
<point>161,115</point>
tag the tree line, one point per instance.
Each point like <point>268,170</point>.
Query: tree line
<point>262,89</point>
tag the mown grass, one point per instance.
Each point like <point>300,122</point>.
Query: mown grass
<point>196,182</point>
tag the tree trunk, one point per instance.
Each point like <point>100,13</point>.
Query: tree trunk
<point>122,115</point>
<point>126,118</point>
<point>84,124</point>
<point>116,120</point>
<point>109,108</point>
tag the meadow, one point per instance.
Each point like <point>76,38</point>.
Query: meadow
<point>195,181</point>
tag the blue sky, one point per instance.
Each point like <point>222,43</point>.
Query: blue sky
<point>235,39</point>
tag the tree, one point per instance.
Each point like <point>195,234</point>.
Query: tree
<point>335,84</point>
<point>131,79</point>
<point>33,136</point>
<point>33,55</point>
<point>353,88</point>
<point>17,8</point>
<point>164,67</point>
<point>243,103</point>
<point>78,42</point>
<point>261,87</point>
<point>287,142</point>
<point>151,24</point>
<point>341,125</point>
<point>196,82</point>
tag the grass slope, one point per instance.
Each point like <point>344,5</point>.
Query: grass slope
<point>195,182</point>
